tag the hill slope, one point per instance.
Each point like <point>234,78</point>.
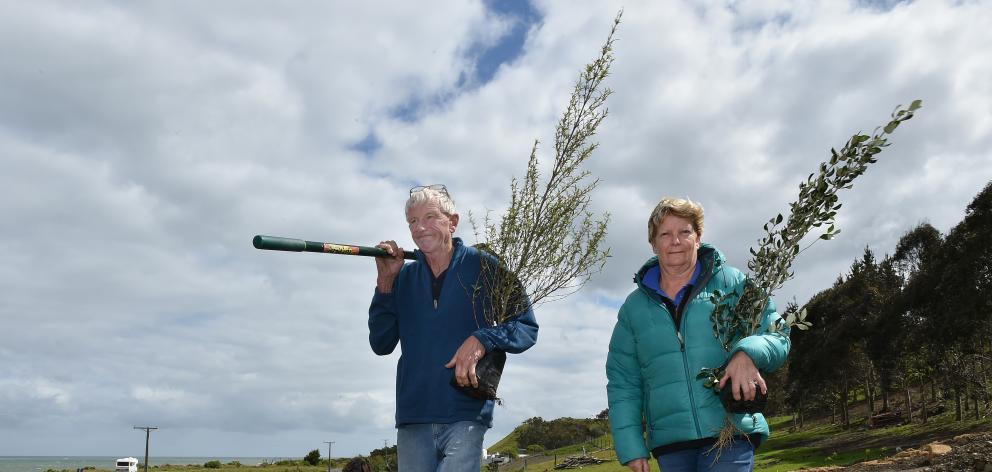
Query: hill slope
<point>819,444</point>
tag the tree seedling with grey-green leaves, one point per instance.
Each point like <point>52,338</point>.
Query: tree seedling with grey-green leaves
<point>738,314</point>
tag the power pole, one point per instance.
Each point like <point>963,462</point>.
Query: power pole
<point>385,452</point>
<point>329,443</point>
<point>148,433</point>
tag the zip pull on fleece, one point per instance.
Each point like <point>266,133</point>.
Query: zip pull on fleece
<point>436,283</point>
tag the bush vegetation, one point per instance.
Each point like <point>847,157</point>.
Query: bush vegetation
<point>559,432</point>
<point>312,457</point>
<point>906,334</point>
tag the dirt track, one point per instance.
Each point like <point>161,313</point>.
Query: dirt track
<point>964,453</point>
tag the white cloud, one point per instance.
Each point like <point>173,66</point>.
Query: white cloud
<point>161,396</point>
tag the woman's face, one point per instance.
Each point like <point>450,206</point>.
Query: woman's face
<point>675,242</point>
<point>430,228</point>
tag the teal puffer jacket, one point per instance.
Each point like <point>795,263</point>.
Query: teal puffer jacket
<point>652,365</point>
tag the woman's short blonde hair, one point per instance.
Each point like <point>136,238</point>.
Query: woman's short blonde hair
<point>681,207</point>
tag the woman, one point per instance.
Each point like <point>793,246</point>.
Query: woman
<point>664,336</point>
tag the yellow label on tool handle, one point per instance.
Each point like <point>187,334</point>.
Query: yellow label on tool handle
<point>340,249</point>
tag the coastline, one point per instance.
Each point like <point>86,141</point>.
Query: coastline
<point>43,463</point>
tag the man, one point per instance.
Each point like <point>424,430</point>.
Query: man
<point>430,307</point>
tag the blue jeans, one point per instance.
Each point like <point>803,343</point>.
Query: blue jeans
<point>739,457</point>
<point>430,447</point>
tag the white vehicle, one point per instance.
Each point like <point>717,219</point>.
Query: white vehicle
<point>127,464</point>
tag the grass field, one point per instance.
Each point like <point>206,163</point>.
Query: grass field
<point>818,444</point>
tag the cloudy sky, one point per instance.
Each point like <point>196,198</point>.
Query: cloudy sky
<point>143,144</point>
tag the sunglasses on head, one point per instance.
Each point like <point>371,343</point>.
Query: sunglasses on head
<point>436,187</point>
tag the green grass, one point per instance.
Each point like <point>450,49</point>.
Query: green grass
<point>508,442</point>
<point>818,444</point>
<point>805,457</point>
<point>231,467</point>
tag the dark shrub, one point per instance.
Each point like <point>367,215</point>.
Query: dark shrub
<point>312,457</point>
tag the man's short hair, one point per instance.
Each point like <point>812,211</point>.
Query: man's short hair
<point>425,194</point>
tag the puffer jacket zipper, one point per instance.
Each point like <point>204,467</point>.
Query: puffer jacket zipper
<point>676,320</point>
<point>706,273</point>
<point>685,357</point>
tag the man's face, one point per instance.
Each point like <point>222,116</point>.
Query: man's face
<point>675,242</point>
<point>430,228</point>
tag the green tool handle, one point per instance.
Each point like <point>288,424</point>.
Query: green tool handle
<point>275,243</point>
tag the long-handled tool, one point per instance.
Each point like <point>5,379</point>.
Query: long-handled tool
<point>275,243</point>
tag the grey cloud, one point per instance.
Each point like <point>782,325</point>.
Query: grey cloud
<point>144,144</point>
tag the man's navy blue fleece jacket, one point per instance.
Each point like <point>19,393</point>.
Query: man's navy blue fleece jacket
<point>430,336</point>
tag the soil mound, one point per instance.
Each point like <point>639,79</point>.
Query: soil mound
<point>964,453</point>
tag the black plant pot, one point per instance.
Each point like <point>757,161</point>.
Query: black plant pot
<point>742,406</point>
<point>489,369</point>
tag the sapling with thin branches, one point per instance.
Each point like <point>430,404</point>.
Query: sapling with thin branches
<point>548,242</point>
<point>739,314</point>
